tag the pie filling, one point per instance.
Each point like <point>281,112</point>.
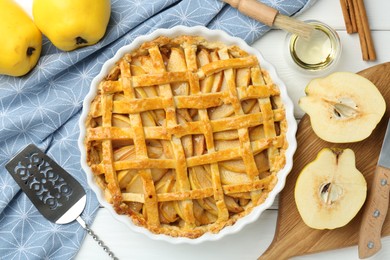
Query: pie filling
<point>186,136</point>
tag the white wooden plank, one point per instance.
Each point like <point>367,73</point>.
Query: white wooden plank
<point>252,241</point>
<point>330,11</point>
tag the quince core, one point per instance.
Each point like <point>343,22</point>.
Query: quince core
<point>330,191</point>
<point>344,107</point>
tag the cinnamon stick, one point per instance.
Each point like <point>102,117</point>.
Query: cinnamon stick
<point>355,18</point>
<point>351,11</point>
<point>366,30</point>
<point>349,15</point>
<point>360,29</point>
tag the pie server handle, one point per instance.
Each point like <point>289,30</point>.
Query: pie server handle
<point>374,214</point>
<point>74,213</point>
<point>96,238</point>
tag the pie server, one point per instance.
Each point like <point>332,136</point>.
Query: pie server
<point>377,204</point>
<point>55,193</point>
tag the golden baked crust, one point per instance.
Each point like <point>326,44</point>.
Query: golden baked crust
<point>186,136</point>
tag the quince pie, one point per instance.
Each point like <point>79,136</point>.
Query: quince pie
<point>186,136</point>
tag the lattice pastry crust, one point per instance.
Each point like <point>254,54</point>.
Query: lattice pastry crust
<point>186,136</point>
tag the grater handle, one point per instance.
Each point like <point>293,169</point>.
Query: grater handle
<point>96,238</point>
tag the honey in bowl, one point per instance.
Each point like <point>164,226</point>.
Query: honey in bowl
<point>317,54</point>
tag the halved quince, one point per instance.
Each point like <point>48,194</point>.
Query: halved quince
<point>343,107</point>
<point>330,191</point>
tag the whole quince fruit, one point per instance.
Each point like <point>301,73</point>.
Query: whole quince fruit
<point>21,40</point>
<point>72,24</point>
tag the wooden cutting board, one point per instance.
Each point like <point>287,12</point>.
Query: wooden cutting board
<point>292,236</point>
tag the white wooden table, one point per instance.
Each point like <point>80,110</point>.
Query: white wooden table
<point>254,239</point>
